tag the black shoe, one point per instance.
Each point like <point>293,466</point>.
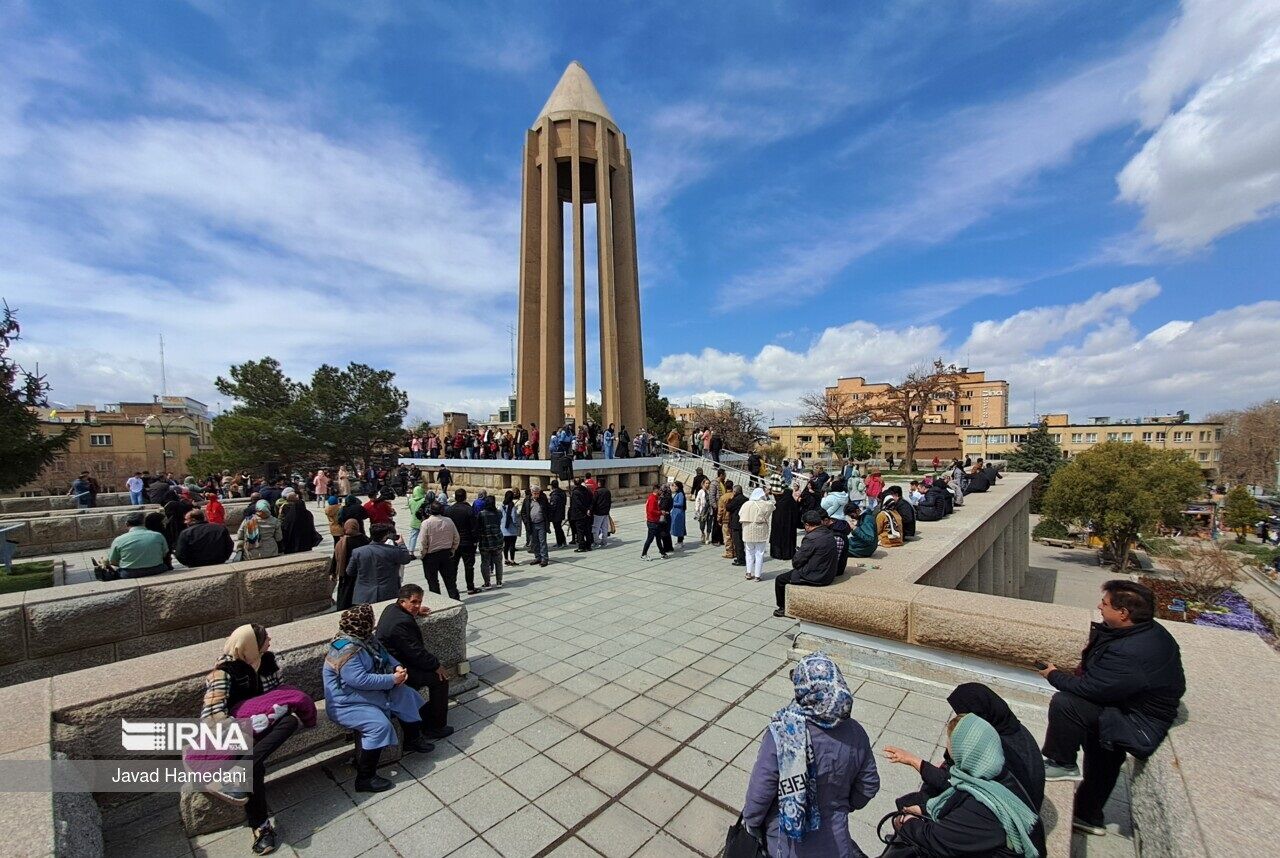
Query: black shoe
<point>543,563</point>
<point>779,613</point>
<point>438,732</point>
<point>264,840</point>
<point>373,783</point>
<point>473,592</point>
<point>736,563</point>
<point>418,745</point>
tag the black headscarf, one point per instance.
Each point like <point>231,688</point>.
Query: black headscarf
<point>351,508</point>
<point>1021,751</point>
<point>986,704</point>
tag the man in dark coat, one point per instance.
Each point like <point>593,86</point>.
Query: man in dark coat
<point>580,515</point>
<point>203,544</point>
<point>399,632</point>
<point>445,477</point>
<point>905,510</point>
<point>463,516</point>
<point>1123,697</point>
<point>559,504</point>
<point>814,564</point>
<point>733,507</point>
<point>377,567</point>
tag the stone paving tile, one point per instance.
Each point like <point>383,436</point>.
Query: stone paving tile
<point>665,846</point>
<point>582,712</point>
<point>730,786</point>
<point>545,733</point>
<point>402,808</point>
<point>649,746</point>
<point>657,799</point>
<point>571,801</point>
<point>720,743</point>
<point>692,767</point>
<point>485,807</point>
<point>503,756</point>
<point>524,834</point>
<point>440,834</point>
<point>535,776</point>
<point>461,778</point>
<point>612,773</point>
<point>643,709</point>
<point>618,832</point>
<point>613,729</point>
<point>346,838</point>
<point>573,848</point>
<point>576,752</point>
<point>678,725</point>
<point>702,825</point>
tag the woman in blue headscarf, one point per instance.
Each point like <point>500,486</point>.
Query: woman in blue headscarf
<point>983,811</point>
<point>815,766</point>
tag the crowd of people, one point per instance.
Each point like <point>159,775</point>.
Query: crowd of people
<point>815,766</point>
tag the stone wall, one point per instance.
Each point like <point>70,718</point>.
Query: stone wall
<point>78,715</point>
<point>53,631</point>
<point>64,530</point>
<point>627,479</point>
<point>45,502</point>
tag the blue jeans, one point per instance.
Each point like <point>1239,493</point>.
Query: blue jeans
<point>538,536</point>
<point>135,498</point>
<point>655,531</point>
<point>608,449</point>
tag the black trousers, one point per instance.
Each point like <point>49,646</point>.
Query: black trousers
<point>654,533</point>
<point>561,542</point>
<point>1073,725</point>
<point>739,548</point>
<point>437,564</point>
<point>582,532</point>
<point>436,710</point>
<point>780,587</point>
<point>467,557</point>
<point>256,811</point>
<point>664,536</point>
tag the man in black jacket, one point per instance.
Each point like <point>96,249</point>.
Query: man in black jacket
<point>201,543</point>
<point>601,506</point>
<point>535,512</point>
<point>399,632</point>
<point>463,516</point>
<point>814,563</point>
<point>559,503</point>
<point>905,511</point>
<point>580,515</point>
<point>1123,697</point>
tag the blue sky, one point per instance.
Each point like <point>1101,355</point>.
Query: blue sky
<point>1077,197</point>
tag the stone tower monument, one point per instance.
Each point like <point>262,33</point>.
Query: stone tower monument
<point>575,153</point>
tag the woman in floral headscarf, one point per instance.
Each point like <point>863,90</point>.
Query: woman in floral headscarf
<point>259,534</point>
<point>363,687</point>
<point>814,768</point>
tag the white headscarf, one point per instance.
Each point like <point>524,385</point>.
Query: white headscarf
<point>757,494</point>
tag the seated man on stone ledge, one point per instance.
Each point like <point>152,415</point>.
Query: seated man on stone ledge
<point>1122,698</point>
<point>399,632</point>
<point>815,561</point>
<point>138,552</point>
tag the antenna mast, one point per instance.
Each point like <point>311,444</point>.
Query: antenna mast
<point>164,382</point>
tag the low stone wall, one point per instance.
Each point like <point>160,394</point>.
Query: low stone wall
<point>78,715</point>
<point>627,479</point>
<point>62,531</point>
<point>46,502</point>
<point>53,631</point>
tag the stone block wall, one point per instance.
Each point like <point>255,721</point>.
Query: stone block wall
<point>78,715</point>
<point>48,632</point>
<point>51,502</point>
<point>626,484</point>
<point>60,531</point>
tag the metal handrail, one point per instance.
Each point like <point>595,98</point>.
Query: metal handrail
<point>690,461</point>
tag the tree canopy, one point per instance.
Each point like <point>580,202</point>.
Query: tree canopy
<point>341,416</point>
<point>1038,454</point>
<point>1118,490</point>
<point>657,410</point>
<point>1251,443</point>
<point>910,402</point>
<point>25,449</point>
<point>740,428</point>
<point>855,444</point>
<point>1240,512</point>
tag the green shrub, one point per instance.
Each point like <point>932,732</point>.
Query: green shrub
<point>1050,528</point>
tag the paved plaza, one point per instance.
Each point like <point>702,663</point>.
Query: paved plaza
<point>619,713</point>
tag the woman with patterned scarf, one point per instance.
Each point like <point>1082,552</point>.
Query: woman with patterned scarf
<point>259,534</point>
<point>814,768</point>
<point>983,811</point>
<point>363,687</point>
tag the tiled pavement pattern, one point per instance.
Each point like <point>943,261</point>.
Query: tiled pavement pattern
<point>619,713</point>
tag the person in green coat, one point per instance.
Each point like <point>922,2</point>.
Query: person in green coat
<point>418,502</point>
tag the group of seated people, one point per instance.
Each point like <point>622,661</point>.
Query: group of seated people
<point>838,527</point>
<point>815,765</point>
<point>369,676</point>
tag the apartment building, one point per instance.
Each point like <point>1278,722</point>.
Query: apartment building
<point>981,401</point>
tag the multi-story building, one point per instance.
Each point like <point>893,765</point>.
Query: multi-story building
<point>981,401</point>
<point>815,442</point>
<point>117,440</point>
<point>1201,442</point>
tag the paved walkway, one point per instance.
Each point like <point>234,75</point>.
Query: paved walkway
<point>619,713</point>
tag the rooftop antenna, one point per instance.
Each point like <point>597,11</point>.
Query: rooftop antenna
<point>164,381</point>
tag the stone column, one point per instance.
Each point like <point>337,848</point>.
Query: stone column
<point>986,570</point>
<point>629,342</point>
<point>1022,552</point>
<point>579,284</point>
<point>551,344</point>
<point>529,316</point>
<point>999,557</point>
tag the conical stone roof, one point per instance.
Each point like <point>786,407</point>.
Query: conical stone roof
<point>575,91</point>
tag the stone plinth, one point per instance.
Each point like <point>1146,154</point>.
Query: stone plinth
<point>627,479</point>
<point>60,531</point>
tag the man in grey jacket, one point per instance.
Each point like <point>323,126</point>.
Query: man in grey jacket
<point>377,567</point>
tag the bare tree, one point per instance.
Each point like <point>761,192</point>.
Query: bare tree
<point>741,428</point>
<point>1249,443</point>
<point>833,410</point>
<point>909,403</point>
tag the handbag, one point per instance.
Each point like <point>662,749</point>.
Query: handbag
<point>613,526</point>
<point>741,843</point>
<point>893,847</point>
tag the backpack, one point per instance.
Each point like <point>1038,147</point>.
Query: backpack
<point>863,540</point>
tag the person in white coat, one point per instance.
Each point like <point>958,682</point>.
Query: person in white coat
<point>756,516</point>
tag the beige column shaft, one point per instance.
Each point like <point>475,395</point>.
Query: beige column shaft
<point>579,287</point>
<point>551,345</point>
<point>610,406</point>
<point>628,341</point>
<point>529,315</point>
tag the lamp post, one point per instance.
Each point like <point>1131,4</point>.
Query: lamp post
<point>164,426</point>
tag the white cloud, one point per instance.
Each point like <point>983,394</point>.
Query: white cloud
<point>1212,96</point>
<point>1088,356</point>
<point>983,158</point>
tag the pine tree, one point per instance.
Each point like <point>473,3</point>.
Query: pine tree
<point>1241,512</point>
<point>25,449</point>
<point>1040,455</point>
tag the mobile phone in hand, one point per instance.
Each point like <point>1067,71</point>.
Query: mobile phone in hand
<point>1039,665</point>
